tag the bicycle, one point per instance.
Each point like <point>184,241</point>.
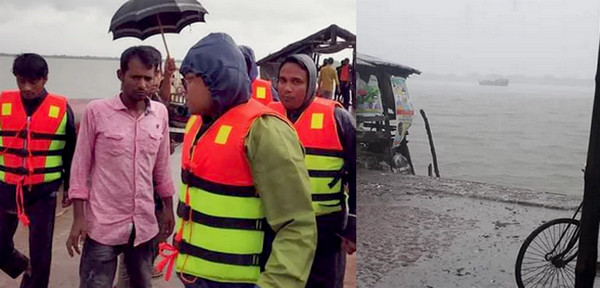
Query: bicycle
<point>547,258</point>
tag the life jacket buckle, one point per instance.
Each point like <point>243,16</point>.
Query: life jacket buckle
<point>259,224</point>
<point>22,171</point>
<point>22,153</point>
<point>22,134</point>
<point>185,176</point>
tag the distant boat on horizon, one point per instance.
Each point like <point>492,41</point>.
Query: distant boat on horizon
<point>494,82</point>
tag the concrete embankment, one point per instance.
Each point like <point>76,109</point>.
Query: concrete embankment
<point>417,231</point>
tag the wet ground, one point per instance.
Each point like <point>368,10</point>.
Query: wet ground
<point>64,270</point>
<point>427,232</point>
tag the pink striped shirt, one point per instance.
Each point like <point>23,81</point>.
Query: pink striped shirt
<point>122,157</point>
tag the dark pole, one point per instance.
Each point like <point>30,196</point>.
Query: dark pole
<point>353,85</point>
<point>403,149</point>
<point>585,270</point>
<point>435,164</point>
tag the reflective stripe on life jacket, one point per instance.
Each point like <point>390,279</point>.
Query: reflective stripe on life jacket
<point>318,133</point>
<point>261,91</point>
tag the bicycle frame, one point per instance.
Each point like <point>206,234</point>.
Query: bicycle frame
<point>557,259</point>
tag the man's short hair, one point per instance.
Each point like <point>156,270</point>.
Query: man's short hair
<point>146,54</point>
<point>30,66</point>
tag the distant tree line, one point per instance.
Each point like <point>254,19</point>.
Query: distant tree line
<point>67,56</point>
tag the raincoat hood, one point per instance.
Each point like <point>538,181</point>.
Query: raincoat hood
<point>218,60</point>
<point>250,62</point>
<point>309,66</point>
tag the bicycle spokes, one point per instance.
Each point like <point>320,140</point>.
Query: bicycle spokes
<point>547,256</point>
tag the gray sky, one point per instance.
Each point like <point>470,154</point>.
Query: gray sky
<point>529,37</point>
<point>80,27</point>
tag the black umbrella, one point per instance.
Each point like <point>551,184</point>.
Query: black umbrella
<point>144,18</point>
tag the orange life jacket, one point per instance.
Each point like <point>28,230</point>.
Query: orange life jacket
<point>345,73</point>
<point>221,223</point>
<point>317,130</point>
<point>31,146</point>
<point>261,91</point>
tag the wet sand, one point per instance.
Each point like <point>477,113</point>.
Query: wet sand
<point>427,232</point>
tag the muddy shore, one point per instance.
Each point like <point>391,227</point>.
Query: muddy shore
<point>417,231</point>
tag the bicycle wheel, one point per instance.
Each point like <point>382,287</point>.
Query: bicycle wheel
<point>548,256</point>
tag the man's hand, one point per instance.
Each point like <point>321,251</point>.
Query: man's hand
<point>76,236</point>
<point>170,68</point>
<point>66,202</point>
<point>348,246</point>
<point>166,223</point>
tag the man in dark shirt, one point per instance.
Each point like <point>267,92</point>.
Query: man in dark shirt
<point>37,207</point>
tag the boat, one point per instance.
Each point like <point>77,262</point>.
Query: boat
<point>494,82</point>
<point>384,113</point>
<point>178,112</point>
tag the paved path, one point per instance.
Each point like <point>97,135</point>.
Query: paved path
<point>65,269</point>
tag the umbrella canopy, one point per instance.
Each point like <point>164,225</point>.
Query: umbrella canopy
<point>144,18</point>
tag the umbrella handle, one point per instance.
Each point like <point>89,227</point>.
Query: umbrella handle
<point>162,33</point>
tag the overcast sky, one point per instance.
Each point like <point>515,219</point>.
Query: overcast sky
<point>80,27</point>
<point>529,37</point>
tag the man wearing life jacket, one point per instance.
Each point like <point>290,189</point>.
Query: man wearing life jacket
<point>345,77</point>
<point>37,139</point>
<point>244,214</point>
<point>328,133</point>
<point>262,90</point>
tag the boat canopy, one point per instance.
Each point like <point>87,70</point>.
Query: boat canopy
<point>330,40</point>
<point>390,67</point>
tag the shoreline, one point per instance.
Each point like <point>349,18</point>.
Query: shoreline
<point>86,57</point>
<point>472,189</point>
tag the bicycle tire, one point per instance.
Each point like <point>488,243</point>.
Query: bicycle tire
<point>570,224</point>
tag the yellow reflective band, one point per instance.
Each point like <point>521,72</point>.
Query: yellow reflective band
<point>224,240</point>
<point>218,272</point>
<point>212,204</point>
<point>327,163</point>
<point>316,121</point>
<point>6,109</point>
<point>321,185</point>
<point>328,207</point>
<point>53,113</point>
<point>261,93</point>
<point>52,177</point>
<point>190,123</point>
<point>223,134</point>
